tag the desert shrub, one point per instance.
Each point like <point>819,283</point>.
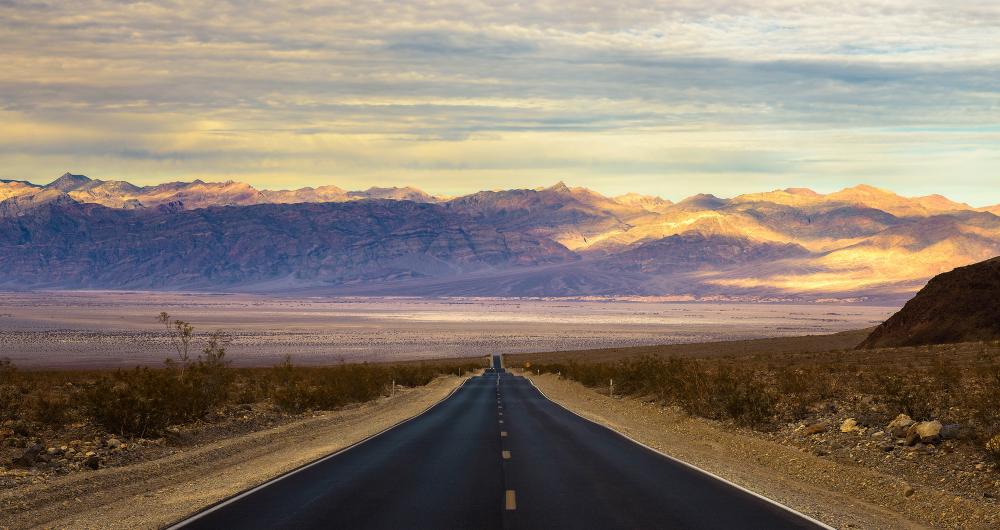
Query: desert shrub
<point>801,387</point>
<point>288,389</point>
<point>10,402</point>
<point>982,400</point>
<point>295,389</point>
<point>902,392</point>
<point>718,392</point>
<point>138,402</point>
<point>11,396</point>
<point>737,394</point>
<point>204,383</point>
<point>145,401</point>
<point>50,409</point>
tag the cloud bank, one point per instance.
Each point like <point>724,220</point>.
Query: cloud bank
<point>660,97</point>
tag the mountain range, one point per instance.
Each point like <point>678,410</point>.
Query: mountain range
<point>860,243</point>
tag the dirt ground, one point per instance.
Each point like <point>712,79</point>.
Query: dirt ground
<point>837,492</point>
<point>155,493</point>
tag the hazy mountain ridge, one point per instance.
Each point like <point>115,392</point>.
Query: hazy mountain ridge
<point>554,241</point>
<point>199,194</point>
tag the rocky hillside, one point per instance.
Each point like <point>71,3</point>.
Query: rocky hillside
<point>63,243</point>
<point>792,244</point>
<point>959,306</point>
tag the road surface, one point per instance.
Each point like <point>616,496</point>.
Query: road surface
<point>497,454</point>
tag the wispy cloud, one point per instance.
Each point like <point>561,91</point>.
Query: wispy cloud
<point>663,97</point>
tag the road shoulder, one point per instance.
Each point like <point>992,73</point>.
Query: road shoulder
<point>155,493</point>
<point>838,494</point>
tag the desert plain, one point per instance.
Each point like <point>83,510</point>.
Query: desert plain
<point>104,329</point>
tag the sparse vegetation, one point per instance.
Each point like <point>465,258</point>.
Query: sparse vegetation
<point>955,384</point>
<point>145,401</point>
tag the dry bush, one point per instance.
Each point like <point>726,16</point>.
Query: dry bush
<point>296,389</point>
<point>50,409</point>
<point>717,391</point>
<point>951,383</point>
<point>144,401</point>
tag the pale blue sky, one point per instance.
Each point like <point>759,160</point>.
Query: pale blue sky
<point>667,98</point>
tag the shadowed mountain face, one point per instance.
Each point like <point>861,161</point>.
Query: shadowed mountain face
<point>959,306</point>
<point>86,245</point>
<point>792,244</point>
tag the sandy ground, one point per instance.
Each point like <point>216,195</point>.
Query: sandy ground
<point>87,329</point>
<point>155,493</point>
<point>841,495</point>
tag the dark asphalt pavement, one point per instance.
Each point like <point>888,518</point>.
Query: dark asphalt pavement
<point>497,454</point>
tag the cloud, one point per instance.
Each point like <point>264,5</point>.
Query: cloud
<point>448,95</point>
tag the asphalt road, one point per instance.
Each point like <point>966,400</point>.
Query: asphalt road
<point>497,454</point>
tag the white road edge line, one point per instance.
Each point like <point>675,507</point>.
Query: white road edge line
<point>225,502</point>
<point>692,466</point>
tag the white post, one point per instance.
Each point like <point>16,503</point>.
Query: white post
<point>611,387</point>
<point>393,391</point>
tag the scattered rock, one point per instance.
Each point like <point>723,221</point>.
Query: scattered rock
<point>815,428</point>
<point>900,425</point>
<point>28,457</point>
<point>908,491</point>
<point>114,443</point>
<point>925,431</point>
<point>849,425</point>
<point>92,461</point>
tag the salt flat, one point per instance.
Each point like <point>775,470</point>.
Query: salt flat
<point>109,329</point>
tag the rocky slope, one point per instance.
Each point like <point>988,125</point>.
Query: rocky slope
<point>958,306</point>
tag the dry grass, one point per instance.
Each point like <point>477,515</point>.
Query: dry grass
<point>146,401</point>
<point>803,344</point>
<point>957,384</point>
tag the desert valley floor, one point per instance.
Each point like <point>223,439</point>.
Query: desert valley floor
<point>108,329</point>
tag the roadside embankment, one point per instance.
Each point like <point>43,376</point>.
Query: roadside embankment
<point>154,493</point>
<point>840,489</point>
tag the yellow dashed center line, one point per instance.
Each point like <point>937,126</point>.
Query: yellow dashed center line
<point>503,434</point>
<point>510,501</point>
<point>505,455</point>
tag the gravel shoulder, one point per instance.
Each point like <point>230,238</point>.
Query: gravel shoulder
<point>841,494</point>
<point>156,493</point>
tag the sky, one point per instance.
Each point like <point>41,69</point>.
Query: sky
<point>666,98</point>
